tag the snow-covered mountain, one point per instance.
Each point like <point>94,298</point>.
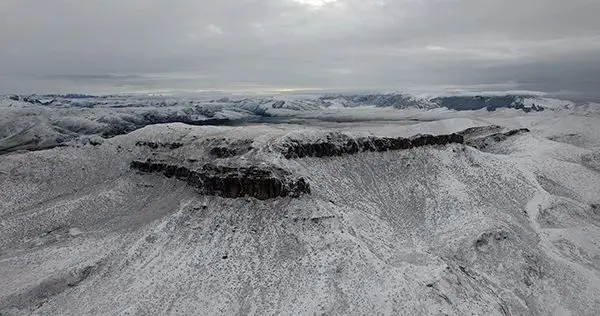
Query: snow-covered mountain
<point>59,118</point>
<point>348,205</point>
<point>262,104</point>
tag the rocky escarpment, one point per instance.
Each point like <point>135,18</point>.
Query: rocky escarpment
<point>481,142</point>
<point>210,179</point>
<point>267,182</point>
<point>336,144</point>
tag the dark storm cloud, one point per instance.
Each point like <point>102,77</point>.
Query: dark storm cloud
<point>116,45</point>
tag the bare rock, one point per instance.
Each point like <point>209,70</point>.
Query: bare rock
<point>258,182</point>
<point>336,144</point>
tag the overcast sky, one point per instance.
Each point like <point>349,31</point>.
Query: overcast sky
<point>145,45</point>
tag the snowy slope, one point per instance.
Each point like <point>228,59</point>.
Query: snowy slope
<point>512,228</point>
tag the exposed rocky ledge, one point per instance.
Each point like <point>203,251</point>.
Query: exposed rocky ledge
<point>482,142</point>
<point>271,182</point>
<point>336,144</point>
<point>231,182</point>
<point>267,182</point>
<point>224,149</point>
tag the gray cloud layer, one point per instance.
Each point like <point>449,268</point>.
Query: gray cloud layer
<point>129,45</point>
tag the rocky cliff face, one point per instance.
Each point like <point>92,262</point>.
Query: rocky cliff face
<point>270,181</point>
<point>228,182</point>
<point>339,144</point>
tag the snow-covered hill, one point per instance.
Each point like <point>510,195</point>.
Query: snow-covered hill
<point>262,207</point>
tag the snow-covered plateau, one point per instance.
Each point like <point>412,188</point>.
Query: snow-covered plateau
<point>383,204</point>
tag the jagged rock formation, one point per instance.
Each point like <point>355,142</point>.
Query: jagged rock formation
<point>476,137</point>
<point>339,144</point>
<point>278,104</point>
<point>478,131</point>
<point>229,182</point>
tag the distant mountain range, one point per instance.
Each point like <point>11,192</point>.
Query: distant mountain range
<point>262,105</point>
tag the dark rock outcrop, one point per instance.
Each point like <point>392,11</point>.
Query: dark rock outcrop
<point>479,131</point>
<point>229,182</point>
<point>483,142</point>
<point>516,132</point>
<point>232,149</point>
<point>34,100</point>
<point>278,104</point>
<point>155,145</point>
<point>489,237</point>
<point>223,152</point>
<point>339,144</point>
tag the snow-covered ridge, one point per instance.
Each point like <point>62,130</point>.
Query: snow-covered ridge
<point>45,121</point>
<point>273,105</point>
